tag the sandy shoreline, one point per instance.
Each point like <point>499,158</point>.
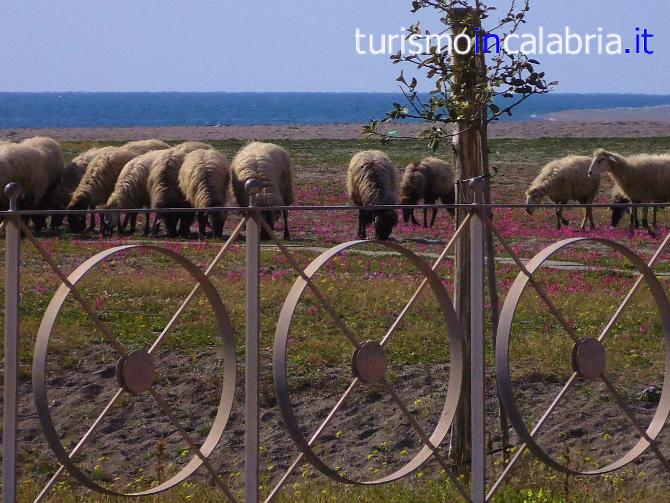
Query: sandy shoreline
<point>647,122</point>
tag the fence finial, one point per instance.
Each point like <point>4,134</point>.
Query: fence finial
<point>13,191</point>
<point>253,187</point>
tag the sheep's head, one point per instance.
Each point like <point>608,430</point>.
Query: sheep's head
<point>601,163</point>
<point>385,221</point>
<point>618,212</point>
<point>77,223</point>
<point>534,195</point>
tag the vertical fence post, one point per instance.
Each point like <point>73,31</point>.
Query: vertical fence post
<point>11,363</point>
<point>477,356</point>
<point>252,358</point>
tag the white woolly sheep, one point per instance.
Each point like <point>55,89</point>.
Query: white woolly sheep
<point>562,181</point>
<point>131,190</point>
<point>428,180</point>
<point>59,196</point>
<point>52,169</point>
<point>204,178</point>
<point>164,192</point>
<point>100,178</point>
<point>77,165</point>
<point>24,165</point>
<point>371,181</point>
<point>271,166</point>
<point>642,178</point>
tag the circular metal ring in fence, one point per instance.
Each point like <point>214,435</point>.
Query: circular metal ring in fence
<point>369,365</point>
<point>588,359</point>
<point>135,372</point>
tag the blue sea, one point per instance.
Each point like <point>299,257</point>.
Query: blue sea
<point>49,110</point>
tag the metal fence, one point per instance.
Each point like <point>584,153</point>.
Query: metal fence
<point>136,371</point>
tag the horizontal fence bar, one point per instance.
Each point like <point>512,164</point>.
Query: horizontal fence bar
<point>238,209</point>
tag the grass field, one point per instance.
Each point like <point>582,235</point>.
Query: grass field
<point>137,292</point>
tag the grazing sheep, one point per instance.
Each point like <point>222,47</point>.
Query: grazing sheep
<point>77,165</point>
<point>371,181</point>
<point>204,178</point>
<point>430,180</point>
<point>131,190</point>
<point>52,169</point>
<point>164,192</point>
<point>643,178</point>
<point>53,155</point>
<point>24,165</point>
<point>100,178</point>
<point>562,181</point>
<point>271,166</point>
<point>59,196</point>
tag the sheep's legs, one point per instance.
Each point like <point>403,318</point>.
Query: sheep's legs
<point>432,220</point>
<point>413,218</point>
<point>634,218</point>
<point>287,232</point>
<point>147,223</point>
<point>133,224</point>
<point>123,223</point>
<point>185,221</point>
<point>361,225</point>
<point>425,218</point>
<point>560,219</point>
<point>645,222</point>
<point>157,226</point>
<point>202,225</point>
<point>588,216</point>
<point>91,226</point>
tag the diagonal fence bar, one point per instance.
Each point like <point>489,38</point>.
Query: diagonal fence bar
<point>654,260</point>
<point>167,410</point>
<point>538,288</point>
<point>424,282</point>
<point>310,284</point>
<point>492,492</point>
<point>313,439</point>
<point>82,442</point>
<point>197,289</point>
<point>425,438</point>
<point>634,420</point>
<point>106,332</point>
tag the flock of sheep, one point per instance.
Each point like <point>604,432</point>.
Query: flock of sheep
<point>638,179</point>
<point>145,174</point>
<point>153,174</point>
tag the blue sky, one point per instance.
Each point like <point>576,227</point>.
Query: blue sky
<point>287,45</point>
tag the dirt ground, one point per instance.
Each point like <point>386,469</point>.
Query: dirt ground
<point>585,124</point>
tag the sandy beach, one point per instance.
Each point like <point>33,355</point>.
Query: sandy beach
<point>614,123</point>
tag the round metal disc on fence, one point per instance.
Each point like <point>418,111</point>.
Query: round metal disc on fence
<point>370,364</point>
<point>588,359</point>
<point>136,372</point>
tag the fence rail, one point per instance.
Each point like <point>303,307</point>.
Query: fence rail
<point>137,372</point>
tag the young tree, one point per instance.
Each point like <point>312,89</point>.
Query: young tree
<point>475,82</point>
<point>498,81</point>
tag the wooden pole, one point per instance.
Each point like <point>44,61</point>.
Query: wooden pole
<point>468,163</point>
